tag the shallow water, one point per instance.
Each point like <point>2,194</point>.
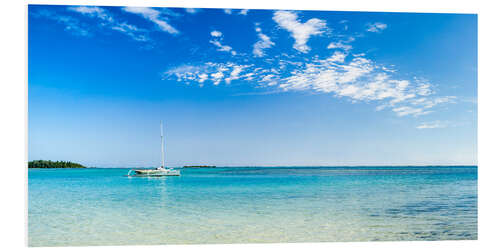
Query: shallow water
<point>81,207</point>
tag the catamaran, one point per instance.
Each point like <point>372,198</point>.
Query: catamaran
<point>160,171</point>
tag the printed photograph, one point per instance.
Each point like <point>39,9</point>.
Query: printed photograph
<point>156,125</point>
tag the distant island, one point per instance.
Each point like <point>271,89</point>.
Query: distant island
<point>53,164</point>
<point>201,166</point>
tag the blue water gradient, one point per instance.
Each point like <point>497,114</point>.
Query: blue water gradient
<point>81,207</point>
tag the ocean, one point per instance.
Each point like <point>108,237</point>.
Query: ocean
<point>101,206</point>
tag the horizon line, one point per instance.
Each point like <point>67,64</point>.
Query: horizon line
<point>306,166</point>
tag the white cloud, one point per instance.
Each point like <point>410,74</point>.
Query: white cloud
<point>327,75</point>
<point>344,23</point>
<point>241,12</point>
<point>107,20</point>
<point>337,57</point>
<point>192,10</point>
<point>202,77</point>
<point>263,43</point>
<point>72,25</point>
<point>270,79</point>
<point>214,72</point>
<point>221,47</point>
<point>235,74</point>
<point>153,16</point>
<point>357,79</point>
<point>406,110</point>
<point>431,102</point>
<point>217,77</point>
<point>434,124</point>
<point>131,31</point>
<point>361,80</point>
<point>376,27</point>
<point>424,89</point>
<point>216,33</point>
<point>388,69</point>
<point>188,73</point>
<point>301,32</point>
<point>90,10</point>
<point>339,45</point>
<point>217,41</point>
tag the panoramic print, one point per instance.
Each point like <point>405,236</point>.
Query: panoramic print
<point>151,125</point>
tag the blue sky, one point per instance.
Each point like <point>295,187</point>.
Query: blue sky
<point>251,87</point>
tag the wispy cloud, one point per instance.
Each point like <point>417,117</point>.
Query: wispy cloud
<point>433,124</point>
<point>406,110</point>
<point>215,72</point>
<point>91,10</point>
<point>241,12</point>
<point>263,43</point>
<point>216,33</point>
<point>217,41</point>
<point>376,27</point>
<point>192,10</point>
<point>100,15</point>
<point>356,78</point>
<point>344,23</point>
<point>154,16</point>
<point>339,45</point>
<point>235,73</point>
<point>301,32</point>
<point>72,25</point>
<point>221,47</point>
<point>107,20</point>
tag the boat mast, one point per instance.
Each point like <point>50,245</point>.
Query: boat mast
<point>162,150</point>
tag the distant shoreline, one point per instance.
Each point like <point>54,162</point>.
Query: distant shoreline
<point>200,166</point>
<point>362,166</point>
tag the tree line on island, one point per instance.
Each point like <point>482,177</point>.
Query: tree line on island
<point>68,164</point>
<point>53,164</point>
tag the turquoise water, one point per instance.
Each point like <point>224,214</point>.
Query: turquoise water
<point>81,207</point>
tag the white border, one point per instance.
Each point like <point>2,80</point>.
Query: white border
<point>13,107</point>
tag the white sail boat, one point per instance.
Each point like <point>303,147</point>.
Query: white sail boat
<point>160,171</point>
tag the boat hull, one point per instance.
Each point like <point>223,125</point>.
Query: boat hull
<point>155,173</point>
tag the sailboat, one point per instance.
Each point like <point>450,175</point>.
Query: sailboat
<point>160,171</point>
